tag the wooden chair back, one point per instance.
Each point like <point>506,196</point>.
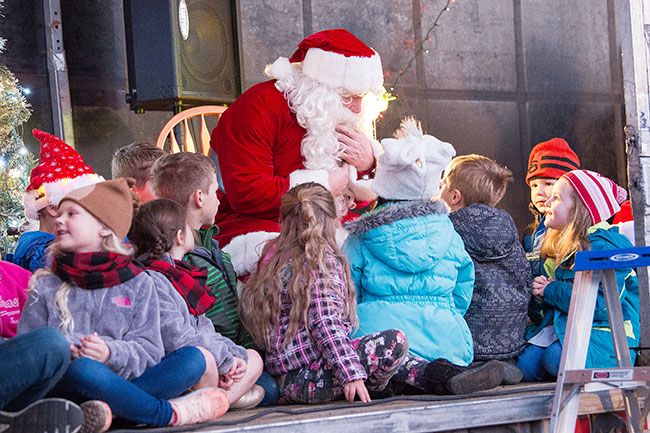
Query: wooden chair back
<point>193,127</point>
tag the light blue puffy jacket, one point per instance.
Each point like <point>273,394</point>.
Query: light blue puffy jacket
<point>412,273</point>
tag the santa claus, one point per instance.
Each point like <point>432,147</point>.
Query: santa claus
<point>311,122</point>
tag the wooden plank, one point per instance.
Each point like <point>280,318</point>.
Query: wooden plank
<point>504,406</point>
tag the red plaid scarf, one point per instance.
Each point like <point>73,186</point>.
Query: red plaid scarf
<point>189,281</point>
<point>95,270</point>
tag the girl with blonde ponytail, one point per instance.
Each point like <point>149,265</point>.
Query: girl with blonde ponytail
<point>107,306</point>
<point>300,306</point>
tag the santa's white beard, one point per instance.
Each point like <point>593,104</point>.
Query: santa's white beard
<point>319,109</point>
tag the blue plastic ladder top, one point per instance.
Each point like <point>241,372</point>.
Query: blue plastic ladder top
<point>612,259</point>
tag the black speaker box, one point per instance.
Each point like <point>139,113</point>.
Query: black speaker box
<point>181,53</point>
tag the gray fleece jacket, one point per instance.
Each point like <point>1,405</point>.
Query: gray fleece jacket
<point>125,316</point>
<point>179,328</point>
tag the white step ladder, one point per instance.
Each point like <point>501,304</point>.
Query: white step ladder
<point>592,268</point>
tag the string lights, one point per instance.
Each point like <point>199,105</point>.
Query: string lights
<point>421,47</point>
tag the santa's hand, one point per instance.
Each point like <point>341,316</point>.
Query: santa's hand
<point>356,148</point>
<point>338,180</point>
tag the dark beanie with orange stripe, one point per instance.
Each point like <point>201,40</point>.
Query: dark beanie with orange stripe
<point>551,159</point>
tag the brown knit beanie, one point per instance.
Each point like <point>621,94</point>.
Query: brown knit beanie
<point>110,202</point>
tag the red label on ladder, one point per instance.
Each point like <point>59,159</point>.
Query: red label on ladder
<point>612,375</point>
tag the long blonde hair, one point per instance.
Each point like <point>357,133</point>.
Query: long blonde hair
<point>560,244</point>
<point>110,243</point>
<point>309,223</point>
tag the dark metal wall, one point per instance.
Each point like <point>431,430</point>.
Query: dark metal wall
<point>500,75</point>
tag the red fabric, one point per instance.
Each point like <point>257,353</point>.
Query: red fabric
<point>95,270</point>
<point>188,281</point>
<point>338,41</point>
<point>551,159</point>
<point>257,141</point>
<point>13,291</point>
<point>625,214</point>
<point>57,161</point>
<point>600,195</point>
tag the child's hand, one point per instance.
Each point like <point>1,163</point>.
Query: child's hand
<point>238,369</point>
<point>74,351</point>
<point>356,387</point>
<point>93,347</point>
<point>225,381</point>
<point>539,284</point>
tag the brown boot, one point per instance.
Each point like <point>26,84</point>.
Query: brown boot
<point>203,405</point>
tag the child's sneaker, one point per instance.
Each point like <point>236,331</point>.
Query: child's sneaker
<point>44,416</point>
<point>249,400</point>
<point>97,417</point>
<point>203,405</point>
<point>474,379</point>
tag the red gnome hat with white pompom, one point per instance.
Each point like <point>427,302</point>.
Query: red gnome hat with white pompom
<point>60,170</point>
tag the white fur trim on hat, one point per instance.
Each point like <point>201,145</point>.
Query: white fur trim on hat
<point>299,177</point>
<point>32,204</point>
<point>245,250</point>
<point>355,74</point>
<point>58,189</point>
<point>280,69</point>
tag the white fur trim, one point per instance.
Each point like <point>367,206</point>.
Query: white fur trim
<point>361,188</point>
<point>56,190</point>
<point>280,69</point>
<point>355,74</point>
<point>32,205</point>
<point>299,177</point>
<point>245,250</point>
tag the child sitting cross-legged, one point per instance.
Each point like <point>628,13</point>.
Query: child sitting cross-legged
<point>162,238</point>
<point>190,179</point>
<point>576,219</point>
<point>411,270</point>
<point>471,186</point>
<point>300,306</point>
<point>107,306</point>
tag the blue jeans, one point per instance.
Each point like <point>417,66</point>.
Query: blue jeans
<point>271,389</point>
<point>540,363</point>
<point>31,365</point>
<point>143,400</point>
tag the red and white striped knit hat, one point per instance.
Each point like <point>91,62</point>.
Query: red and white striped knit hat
<point>600,195</point>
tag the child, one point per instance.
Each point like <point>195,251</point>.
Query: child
<point>471,186</point>
<point>136,161</point>
<point>108,308</point>
<point>300,306</point>
<point>13,291</point>
<point>162,238</point>
<point>576,215</point>
<point>411,270</point>
<point>60,170</point>
<point>547,162</point>
<point>190,179</point>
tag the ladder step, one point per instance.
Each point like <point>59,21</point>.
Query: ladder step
<point>641,374</point>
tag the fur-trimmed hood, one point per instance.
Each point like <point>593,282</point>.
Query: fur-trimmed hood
<point>394,212</point>
<point>409,237</point>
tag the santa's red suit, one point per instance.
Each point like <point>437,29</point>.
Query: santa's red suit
<point>258,138</point>
<point>257,141</point>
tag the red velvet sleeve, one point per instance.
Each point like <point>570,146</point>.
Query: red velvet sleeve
<point>244,139</point>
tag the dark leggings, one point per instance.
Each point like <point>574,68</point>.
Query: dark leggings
<point>381,354</point>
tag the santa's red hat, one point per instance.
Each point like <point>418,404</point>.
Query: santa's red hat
<point>337,59</point>
<point>60,170</point>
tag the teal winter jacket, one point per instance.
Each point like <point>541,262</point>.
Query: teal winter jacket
<point>412,273</point>
<point>558,295</point>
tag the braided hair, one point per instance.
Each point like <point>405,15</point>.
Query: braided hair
<point>154,227</point>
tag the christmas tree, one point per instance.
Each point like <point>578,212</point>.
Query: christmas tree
<point>15,161</point>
